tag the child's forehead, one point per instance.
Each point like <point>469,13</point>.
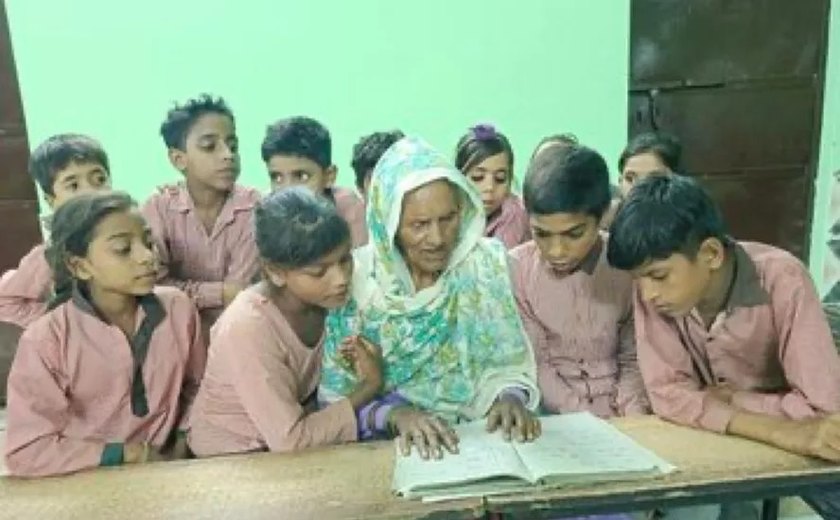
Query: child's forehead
<point>676,259</point>
<point>212,125</point>
<point>80,167</point>
<point>122,222</point>
<point>292,161</point>
<point>561,220</point>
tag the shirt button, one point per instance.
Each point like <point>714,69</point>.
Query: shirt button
<point>584,374</point>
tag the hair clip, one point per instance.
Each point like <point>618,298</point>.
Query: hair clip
<point>484,132</point>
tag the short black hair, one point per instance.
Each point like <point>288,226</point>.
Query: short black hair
<point>665,146</point>
<point>479,143</point>
<point>662,216</point>
<point>181,118</point>
<point>295,227</point>
<point>368,151</point>
<point>298,137</point>
<point>71,232</point>
<point>564,180</point>
<point>58,151</point>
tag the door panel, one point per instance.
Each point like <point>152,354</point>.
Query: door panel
<point>739,82</point>
<point>19,226</point>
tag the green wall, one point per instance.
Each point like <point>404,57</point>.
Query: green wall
<point>112,68</point>
<point>829,157</point>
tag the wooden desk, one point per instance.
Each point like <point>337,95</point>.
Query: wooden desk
<point>344,482</point>
<point>353,482</point>
<point>711,469</point>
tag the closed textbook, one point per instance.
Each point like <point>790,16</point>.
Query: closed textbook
<point>574,448</point>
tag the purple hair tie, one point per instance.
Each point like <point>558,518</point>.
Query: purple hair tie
<point>484,132</point>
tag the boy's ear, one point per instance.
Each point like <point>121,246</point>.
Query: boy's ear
<point>329,176</point>
<point>178,159</point>
<point>712,253</point>
<point>79,267</point>
<point>273,273</point>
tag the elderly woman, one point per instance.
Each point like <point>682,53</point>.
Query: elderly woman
<point>437,298</point>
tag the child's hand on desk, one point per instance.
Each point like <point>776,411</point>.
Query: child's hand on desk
<point>424,431</point>
<point>722,393</point>
<point>141,452</point>
<point>177,450</point>
<point>229,292</point>
<point>515,420</point>
<point>812,437</point>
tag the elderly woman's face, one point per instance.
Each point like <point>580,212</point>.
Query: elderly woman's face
<point>428,231</point>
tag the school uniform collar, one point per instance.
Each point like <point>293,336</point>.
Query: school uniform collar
<point>236,201</point>
<point>153,315</point>
<point>746,289</point>
<point>590,261</point>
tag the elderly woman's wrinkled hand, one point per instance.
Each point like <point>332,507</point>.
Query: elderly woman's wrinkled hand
<point>515,421</point>
<point>426,432</point>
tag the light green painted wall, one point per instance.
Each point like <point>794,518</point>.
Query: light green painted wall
<point>111,69</point>
<point>829,155</point>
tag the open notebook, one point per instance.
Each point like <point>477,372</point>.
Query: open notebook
<point>574,448</point>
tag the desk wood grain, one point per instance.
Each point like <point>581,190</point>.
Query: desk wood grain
<point>353,482</point>
<point>711,468</point>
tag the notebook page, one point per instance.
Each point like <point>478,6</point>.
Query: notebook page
<point>582,445</point>
<point>481,456</point>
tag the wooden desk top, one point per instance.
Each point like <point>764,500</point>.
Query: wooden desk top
<point>709,465</point>
<point>353,481</point>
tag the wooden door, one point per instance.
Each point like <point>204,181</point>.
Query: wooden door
<point>740,83</point>
<point>19,224</point>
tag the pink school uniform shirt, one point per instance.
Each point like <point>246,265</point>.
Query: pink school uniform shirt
<point>510,223</point>
<point>352,209</point>
<point>771,343</point>
<point>24,291</point>
<point>198,262</point>
<point>259,390</point>
<point>79,389</point>
<point>581,328</point>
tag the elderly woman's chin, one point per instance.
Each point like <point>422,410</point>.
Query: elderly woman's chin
<point>433,261</point>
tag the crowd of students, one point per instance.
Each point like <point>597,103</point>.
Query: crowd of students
<point>204,321</point>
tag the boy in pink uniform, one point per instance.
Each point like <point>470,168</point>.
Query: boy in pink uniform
<point>64,166</point>
<point>731,336</point>
<point>298,152</point>
<point>108,374</point>
<point>203,227</point>
<point>576,309</point>
<point>485,156</point>
<point>265,355</point>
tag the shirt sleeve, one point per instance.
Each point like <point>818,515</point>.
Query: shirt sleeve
<point>38,411</point>
<point>244,260</point>
<point>372,419</point>
<point>24,291</point>
<point>675,390</point>
<point>265,383</point>
<point>557,395</point>
<point>806,351</point>
<point>631,397</point>
<point>196,362</point>
<point>204,294</point>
